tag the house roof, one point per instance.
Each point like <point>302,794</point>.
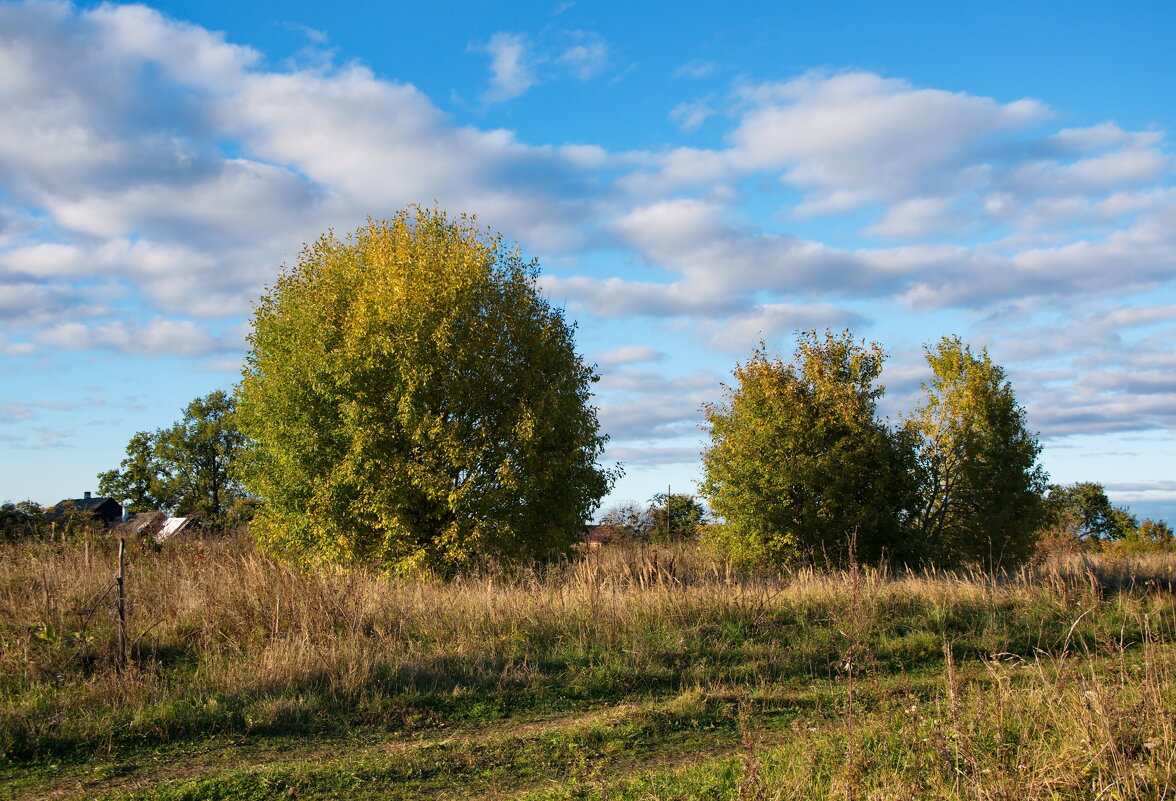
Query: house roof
<point>171,527</point>
<point>143,523</point>
<point>86,504</point>
<point>108,509</point>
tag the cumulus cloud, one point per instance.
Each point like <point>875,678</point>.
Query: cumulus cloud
<point>653,456</point>
<point>13,412</point>
<point>24,303</point>
<point>768,322</point>
<point>159,337</point>
<point>115,140</point>
<point>55,437</point>
<point>850,140</point>
<point>651,419</point>
<point>924,162</point>
<point>154,171</point>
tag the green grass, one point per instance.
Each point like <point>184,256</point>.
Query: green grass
<point>630,674</point>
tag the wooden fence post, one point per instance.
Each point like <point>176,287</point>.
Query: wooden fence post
<point>122,606</point>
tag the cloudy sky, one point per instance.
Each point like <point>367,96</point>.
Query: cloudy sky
<point>691,184</point>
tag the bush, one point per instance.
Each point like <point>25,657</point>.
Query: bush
<point>21,520</point>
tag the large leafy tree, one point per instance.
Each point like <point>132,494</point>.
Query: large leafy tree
<point>142,482</point>
<point>186,468</point>
<point>200,451</point>
<point>798,462</point>
<point>980,485</point>
<point>414,401</point>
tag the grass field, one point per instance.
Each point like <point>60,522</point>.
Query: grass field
<point>634,673</point>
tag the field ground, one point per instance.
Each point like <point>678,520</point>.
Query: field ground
<point>640,673</point>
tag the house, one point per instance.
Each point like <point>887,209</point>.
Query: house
<point>595,536</point>
<point>155,525</point>
<point>106,511</point>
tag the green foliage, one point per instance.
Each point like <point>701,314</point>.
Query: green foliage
<point>187,468</point>
<point>798,463</point>
<point>1151,536</point>
<point>201,450</point>
<point>415,402</point>
<point>630,521</point>
<point>980,485</point>
<point>1083,511</point>
<point>676,516</point>
<point>21,520</point>
<point>142,482</point>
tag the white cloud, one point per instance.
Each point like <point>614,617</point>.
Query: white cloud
<point>587,57</point>
<point>1142,491</point>
<point>1137,161</point>
<point>30,303</point>
<point>55,437</point>
<point>121,203</point>
<point>653,456</point>
<point>159,337</point>
<point>690,116</point>
<point>511,72</point>
<point>14,412</point>
<point>650,418</point>
<point>629,354</point>
<point>855,139</point>
<point>1094,137</point>
<point>190,54</point>
<point>696,68</point>
<point>768,322</point>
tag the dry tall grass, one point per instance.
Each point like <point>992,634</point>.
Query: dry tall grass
<point>227,640</point>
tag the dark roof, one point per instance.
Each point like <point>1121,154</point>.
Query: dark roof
<point>106,509</point>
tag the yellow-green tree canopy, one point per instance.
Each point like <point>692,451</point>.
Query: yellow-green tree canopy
<point>799,464</point>
<point>414,401</point>
<point>980,486</point>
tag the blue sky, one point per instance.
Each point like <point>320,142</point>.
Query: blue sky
<point>690,182</point>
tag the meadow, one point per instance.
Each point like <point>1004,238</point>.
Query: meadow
<point>634,672</point>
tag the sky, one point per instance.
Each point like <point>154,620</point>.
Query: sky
<point>693,179</point>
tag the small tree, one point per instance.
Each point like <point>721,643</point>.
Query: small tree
<point>980,485</point>
<point>675,516</point>
<point>628,521</point>
<point>187,468</point>
<point>1083,512</point>
<point>798,463</point>
<point>414,401</point>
